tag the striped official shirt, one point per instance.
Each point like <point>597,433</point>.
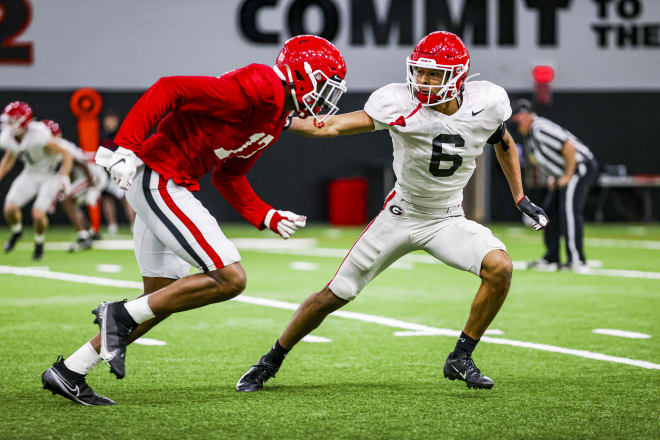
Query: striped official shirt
<point>544,143</point>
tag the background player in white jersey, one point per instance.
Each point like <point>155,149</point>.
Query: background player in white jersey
<point>32,143</point>
<point>87,182</point>
<point>439,125</point>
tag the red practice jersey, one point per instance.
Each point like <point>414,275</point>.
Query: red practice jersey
<point>221,124</point>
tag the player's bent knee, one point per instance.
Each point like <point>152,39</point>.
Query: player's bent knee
<point>230,280</point>
<point>498,267</point>
<point>38,214</point>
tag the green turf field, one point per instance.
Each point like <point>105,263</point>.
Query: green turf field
<point>366,382</point>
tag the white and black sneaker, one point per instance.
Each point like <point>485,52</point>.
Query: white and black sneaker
<point>116,325</point>
<point>463,368</point>
<point>256,376</point>
<point>58,379</point>
<point>13,239</point>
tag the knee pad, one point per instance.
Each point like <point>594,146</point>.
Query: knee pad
<point>343,288</point>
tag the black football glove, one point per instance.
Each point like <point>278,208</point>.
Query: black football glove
<point>534,212</point>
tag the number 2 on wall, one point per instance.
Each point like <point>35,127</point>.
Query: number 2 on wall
<point>15,15</point>
<point>438,156</point>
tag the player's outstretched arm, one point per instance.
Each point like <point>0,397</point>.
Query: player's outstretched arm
<point>507,156</point>
<point>337,125</point>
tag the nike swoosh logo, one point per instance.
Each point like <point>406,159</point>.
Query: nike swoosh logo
<point>111,355</point>
<point>476,113</point>
<point>463,375</point>
<point>124,160</point>
<point>63,381</point>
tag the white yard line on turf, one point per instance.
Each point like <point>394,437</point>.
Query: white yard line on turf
<point>388,322</point>
<point>616,243</point>
<point>306,247</point>
<point>621,333</point>
<point>149,341</point>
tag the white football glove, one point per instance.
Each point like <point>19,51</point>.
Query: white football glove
<point>65,185</point>
<point>284,223</point>
<point>92,196</point>
<point>122,167</point>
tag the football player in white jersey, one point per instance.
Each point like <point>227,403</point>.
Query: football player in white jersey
<point>439,124</point>
<point>32,143</point>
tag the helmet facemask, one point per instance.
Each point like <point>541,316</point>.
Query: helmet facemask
<point>448,87</point>
<point>324,94</point>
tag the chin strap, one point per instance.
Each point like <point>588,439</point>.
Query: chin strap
<point>292,86</point>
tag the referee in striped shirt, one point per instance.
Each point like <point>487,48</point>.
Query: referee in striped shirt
<point>571,169</point>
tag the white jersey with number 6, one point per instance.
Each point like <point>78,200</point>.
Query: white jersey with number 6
<point>434,154</point>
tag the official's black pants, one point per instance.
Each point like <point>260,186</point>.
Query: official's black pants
<point>565,209</point>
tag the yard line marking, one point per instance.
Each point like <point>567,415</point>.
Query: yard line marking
<point>493,331</point>
<point>620,273</point>
<point>312,338</point>
<point>149,341</point>
<point>108,268</point>
<point>616,243</point>
<point>380,320</point>
<point>621,333</point>
<point>304,265</point>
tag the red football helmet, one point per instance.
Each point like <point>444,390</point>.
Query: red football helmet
<point>17,114</point>
<point>445,53</point>
<point>53,126</point>
<point>315,71</point>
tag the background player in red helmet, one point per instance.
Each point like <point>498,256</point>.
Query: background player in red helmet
<point>219,125</point>
<point>46,169</point>
<point>439,125</point>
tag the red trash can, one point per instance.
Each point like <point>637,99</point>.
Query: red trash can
<point>347,201</point>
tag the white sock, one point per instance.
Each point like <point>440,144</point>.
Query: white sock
<point>84,234</point>
<point>18,227</point>
<point>83,359</point>
<point>39,238</point>
<point>139,309</point>
<point>113,228</point>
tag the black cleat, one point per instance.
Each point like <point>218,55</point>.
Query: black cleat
<point>114,335</point>
<point>256,376</point>
<point>58,379</point>
<point>13,238</point>
<point>95,235</point>
<point>463,368</point>
<point>81,244</point>
<point>38,253</point>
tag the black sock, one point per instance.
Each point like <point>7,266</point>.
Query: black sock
<point>276,354</point>
<point>465,345</point>
<point>122,315</point>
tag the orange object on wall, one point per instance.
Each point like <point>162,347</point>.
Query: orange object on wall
<point>347,202</point>
<point>86,104</point>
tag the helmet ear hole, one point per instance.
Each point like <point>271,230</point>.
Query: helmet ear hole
<point>299,76</point>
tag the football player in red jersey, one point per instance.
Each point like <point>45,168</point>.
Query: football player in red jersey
<point>206,124</point>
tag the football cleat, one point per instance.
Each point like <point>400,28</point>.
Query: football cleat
<point>463,368</point>
<point>38,251</point>
<point>114,336</point>
<point>81,244</point>
<point>13,239</point>
<point>256,376</point>
<point>58,379</point>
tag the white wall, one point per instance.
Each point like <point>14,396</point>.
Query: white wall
<point>128,44</point>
